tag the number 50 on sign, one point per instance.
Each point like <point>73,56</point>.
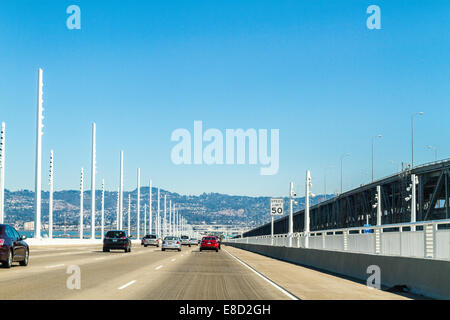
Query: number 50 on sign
<point>276,207</point>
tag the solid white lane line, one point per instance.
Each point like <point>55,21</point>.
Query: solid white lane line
<point>56,265</point>
<point>100,258</point>
<point>291,296</point>
<point>159,267</point>
<point>126,285</point>
<point>173,260</point>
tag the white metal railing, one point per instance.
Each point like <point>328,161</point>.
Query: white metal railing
<point>429,242</point>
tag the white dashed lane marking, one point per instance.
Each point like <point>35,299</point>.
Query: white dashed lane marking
<point>126,285</point>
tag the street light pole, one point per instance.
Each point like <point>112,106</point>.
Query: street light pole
<point>103,211</point>
<point>129,212</point>
<point>412,137</point>
<point>291,212</point>
<point>50,198</point>
<point>81,204</point>
<point>138,203</point>
<point>121,192</point>
<point>158,222</point>
<point>93,164</point>
<point>435,152</point>
<point>150,222</point>
<point>373,143</point>
<point>165,216</point>
<point>38,170</point>
<point>342,159</point>
<point>2,173</point>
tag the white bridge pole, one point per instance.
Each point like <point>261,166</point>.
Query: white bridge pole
<point>93,165</point>
<point>138,207</point>
<point>38,169</point>
<point>145,219</point>
<point>117,209</point>
<point>170,217</point>
<point>158,222</point>
<point>291,213</point>
<point>2,173</point>
<point>50,199</point>
<point>81,204</point>
<point>102,232</point>
<point>307,206</point>
<point>129,213</point>
<point>165,216</point>
<point>121,192</point>
<point>150,222</point>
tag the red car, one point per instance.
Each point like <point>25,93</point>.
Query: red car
<point>210,243</point>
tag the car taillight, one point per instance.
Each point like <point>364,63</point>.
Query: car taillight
<point>2,241</point>
<point>178,242</point>
<point>123,238</point>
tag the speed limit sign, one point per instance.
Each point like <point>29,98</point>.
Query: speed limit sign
<point>276,206</point>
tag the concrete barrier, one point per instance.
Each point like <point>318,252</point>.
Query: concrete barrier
<point>427,277</point>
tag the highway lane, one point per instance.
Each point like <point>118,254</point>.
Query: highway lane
<point>145,273</point>
<point>149,273</point>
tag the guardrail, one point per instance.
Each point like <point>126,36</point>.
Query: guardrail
<point>426,239</point>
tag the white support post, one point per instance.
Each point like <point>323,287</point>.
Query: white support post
<point>158,222</point>
<point>307,207</point>
<point>38,169</point>
<point>150,222</point>
<point>165,216</point>
<point>145,219</point>
<point>138,206</point>
<point>121,192</point>
<point>81,203</point>
<point>2,173</point>
<point>177,221</point>
<point>170,217</point>
<point>413,200</point>
<point>102,232</point>
<point>129,215</point>
<point>50,198</point>
<point>291,213</point>
<point>93,167</point>
<point>117,208</point>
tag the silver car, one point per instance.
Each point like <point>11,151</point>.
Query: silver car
<point>185,241</point>
<point>171,242</point>
<point>193,241</point>
<point>150,240</point>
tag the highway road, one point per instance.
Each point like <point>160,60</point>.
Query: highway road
<point>149,273</point>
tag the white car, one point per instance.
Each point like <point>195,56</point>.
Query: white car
<point>171,242</point>
<point>150,240</point>
<point>193,241</point>
<point>185,241</point>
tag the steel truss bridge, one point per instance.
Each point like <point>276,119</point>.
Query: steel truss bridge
<point>355,207</point>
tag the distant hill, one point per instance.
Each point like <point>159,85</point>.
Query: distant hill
<point>208,208</point>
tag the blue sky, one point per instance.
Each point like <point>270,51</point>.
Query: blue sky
<point>141,69</point>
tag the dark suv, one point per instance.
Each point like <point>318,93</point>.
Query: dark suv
<point>116,240</point>
<point>12,247</point>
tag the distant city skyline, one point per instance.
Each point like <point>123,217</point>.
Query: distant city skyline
<point>140,71</point>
